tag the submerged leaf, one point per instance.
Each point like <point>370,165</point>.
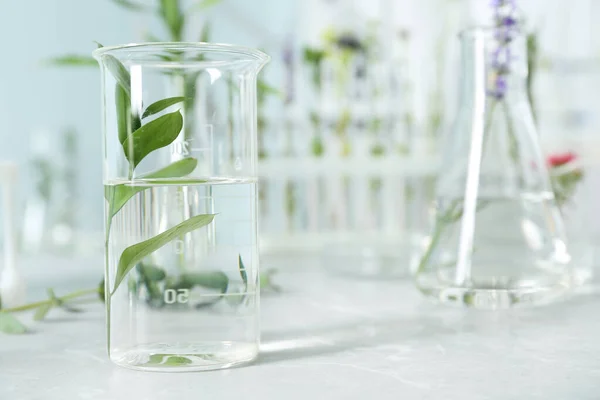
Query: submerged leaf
<point>166,359</point>
<point>151,272</point>
<point>242,269</point>
<point>118,195</point>
<point>132,285</point>
<point>136,253</point>
<point>160,105</point>
<point>154,135</point>
<point>10,324</point>
<point>212,280</point>
<point>177,360</point>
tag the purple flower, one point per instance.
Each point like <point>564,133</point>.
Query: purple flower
<point>500,87</point>
<point>506,29</point>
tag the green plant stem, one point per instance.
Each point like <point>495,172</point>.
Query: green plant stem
<point>70,296</point>
<point>435,238</point>
<point>448,217</point>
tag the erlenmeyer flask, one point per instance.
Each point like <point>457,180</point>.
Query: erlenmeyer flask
<point>498,238</point>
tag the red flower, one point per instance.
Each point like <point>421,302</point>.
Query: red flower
<point>556,160</point>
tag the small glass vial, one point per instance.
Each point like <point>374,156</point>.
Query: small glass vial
<point>180,154</point>
<point>498,239</point>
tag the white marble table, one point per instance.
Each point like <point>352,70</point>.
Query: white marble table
<point>325,337</point>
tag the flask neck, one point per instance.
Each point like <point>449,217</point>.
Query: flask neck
<point>493,67</point>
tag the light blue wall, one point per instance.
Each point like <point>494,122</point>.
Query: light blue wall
<point>34,97</point>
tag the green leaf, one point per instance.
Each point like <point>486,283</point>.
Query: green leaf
<point>160,105</point>
<point>130,5</point>
<point>10,324</point>
<point>177,169</point>
<point>313,56</point>
<point>154,135</point>
<point>132,285</point>
<point>178,360</point>
<point>204,4</point>
<point>98,44</point>
<point>177,284</point>
<point>205,33</point>
<point>151,272</point>
<point>118,195</point>
<point>212,280</point>
<point>266,281</point>
<point>242,269</point>
<point>119,72</point>
<point>149,37</point>
<point>52,296</point>
<point>126,121</point>
<point>136,253</point>
<point>173,18</point>
<point>42,311</point>
<point>166,359</point>
<point>149,277</point>
<point>264,89</point>
<point>102,291</point>
<point>72,60</point>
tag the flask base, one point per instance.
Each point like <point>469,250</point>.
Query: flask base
<point>497,297</point>
<point>185,357</point>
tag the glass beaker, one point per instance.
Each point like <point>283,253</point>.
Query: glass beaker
<point>180,155</point>
<point>498,239</point>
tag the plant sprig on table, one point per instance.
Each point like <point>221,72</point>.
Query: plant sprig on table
<point>10,324</point>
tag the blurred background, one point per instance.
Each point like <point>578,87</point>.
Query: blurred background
<point>352,110</point>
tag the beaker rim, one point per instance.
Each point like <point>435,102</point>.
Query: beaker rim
<point>225,48</point>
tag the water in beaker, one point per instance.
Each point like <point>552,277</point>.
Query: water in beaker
<point>180,186</point>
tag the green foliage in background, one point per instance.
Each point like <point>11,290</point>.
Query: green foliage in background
<point>138,140</point>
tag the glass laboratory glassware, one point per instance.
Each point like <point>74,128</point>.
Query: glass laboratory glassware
<point>572,193</point>
<point>180,156</point>
<point>498,239</point>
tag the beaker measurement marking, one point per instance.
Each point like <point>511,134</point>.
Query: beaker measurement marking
<point>184,148</point>
<point>181,148</point>
<point>177,296</point>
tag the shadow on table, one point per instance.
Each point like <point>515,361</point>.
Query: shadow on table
<point>282,346</point>
<point>433,323</point>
